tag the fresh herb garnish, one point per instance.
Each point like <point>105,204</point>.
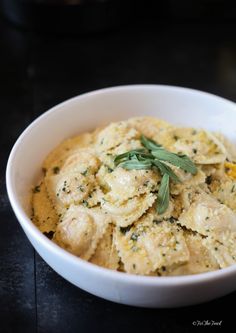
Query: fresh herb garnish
<point>157,221</point>
<point>165,169</point>
<point>81,188</point>
<point>134,236</point>
<point>84,173</point>
<point>109,169</point>
<point>172,219</point>
<point>149,144</point>
<point>136,164</point>
<point>85,203</point>
<point>154,156</point>
<point>181,161</point>
<point>163,196</point>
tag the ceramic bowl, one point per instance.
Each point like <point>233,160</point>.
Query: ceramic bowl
<point>180,106</point>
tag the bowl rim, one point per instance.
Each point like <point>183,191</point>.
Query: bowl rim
<point>35,233</point>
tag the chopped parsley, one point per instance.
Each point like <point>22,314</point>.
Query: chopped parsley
<point>56,170</point>
<point>134,236</point>
<point>84,173</point>
<point>157,221</point>
<point>172,219</point>
<point>108,168</point>
<point>208,180</point>
<point>85,203</point>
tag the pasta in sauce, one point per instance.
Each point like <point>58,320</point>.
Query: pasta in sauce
<point>107,214</point>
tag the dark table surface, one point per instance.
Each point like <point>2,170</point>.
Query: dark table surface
<point>38,71</point>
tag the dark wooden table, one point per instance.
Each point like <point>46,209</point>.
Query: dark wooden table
<point>39,71</point>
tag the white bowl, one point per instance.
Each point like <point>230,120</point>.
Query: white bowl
<point>180,106</point>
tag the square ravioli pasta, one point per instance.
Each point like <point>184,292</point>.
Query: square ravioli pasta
<point>81,229</point>
<point>150,244</point>
<point>208,217</point>
<point>142,196</point>
<point>106,254</point>
<point>201,259</point>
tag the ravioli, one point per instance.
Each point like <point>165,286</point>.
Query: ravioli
<point>225,192</point>
<point>153,128</point>
<point>229,147</point>
<point>115,134</point>
<point>201,146</point>
<point>187,181</point>
<point>207,216</point>
<point>130,211</point>
<point>136,182</point>
<point>44,214</point>
<point>83,161</point>
<point>135,260</point>
<point>69,188</point>
<point>149,245</point>
<point>224,254</point>
<point>106,254</point>
<point>81,229</point>
<point>151,216</point>
<point>57,157</point>
<point>200,260</point>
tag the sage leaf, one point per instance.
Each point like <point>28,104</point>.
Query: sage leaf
<point>137,165</point>
<point>154,156</point>
<point>163,196</point>
<point>128,155</point>
<point>181,161</point>
<point>165,169</point>
<point>149,144</point>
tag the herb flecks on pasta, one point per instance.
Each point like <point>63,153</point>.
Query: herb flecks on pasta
<point>155,157</point>
<point>143,197</point>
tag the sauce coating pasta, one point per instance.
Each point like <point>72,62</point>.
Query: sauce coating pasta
<point>110,213</point>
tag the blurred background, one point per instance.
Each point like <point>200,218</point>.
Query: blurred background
<point>79,16</point>
<point>51,50</point>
